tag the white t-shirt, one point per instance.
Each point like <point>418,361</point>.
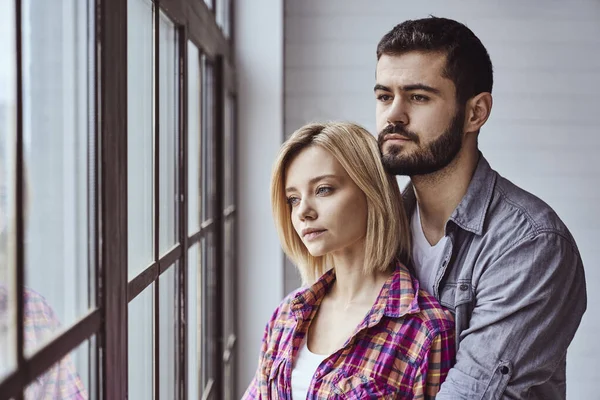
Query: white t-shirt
<point>426,258</point>
<point>305,366</point>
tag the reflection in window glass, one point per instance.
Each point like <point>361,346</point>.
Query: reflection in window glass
<point>8,106</point>
<point>229,151</point>
<point>140,170</point>
<point>193,318</point>
<point>65,379</point>
<point>194,96</point>
<point>141,345</point>
<point>167,331</point>
<point>168,77</point>
<point>57,103</point>
<point>208,181</point>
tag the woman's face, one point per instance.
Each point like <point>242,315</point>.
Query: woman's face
<point>329,211</point>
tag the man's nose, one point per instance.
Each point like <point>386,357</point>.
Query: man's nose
<point>398,112</point>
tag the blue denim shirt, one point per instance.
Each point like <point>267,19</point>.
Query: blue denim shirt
<point>513,277</point>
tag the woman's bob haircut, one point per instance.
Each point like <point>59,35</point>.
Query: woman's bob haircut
<point>387,236</point>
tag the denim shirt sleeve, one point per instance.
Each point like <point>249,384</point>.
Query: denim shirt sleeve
<point>528,304</point>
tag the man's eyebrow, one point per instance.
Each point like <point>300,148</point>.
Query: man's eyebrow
<point>381,87</point>
<point>313,181</point>
<point>409,88</point>
<point>420,86</point>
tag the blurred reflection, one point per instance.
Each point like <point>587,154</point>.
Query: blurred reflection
<point>41,324</point>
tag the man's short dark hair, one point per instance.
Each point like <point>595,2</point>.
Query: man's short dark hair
<point>468,63</point>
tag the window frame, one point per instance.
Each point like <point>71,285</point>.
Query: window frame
<point>107,323</point>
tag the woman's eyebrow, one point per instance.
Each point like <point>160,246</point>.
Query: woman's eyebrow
<point>312,181</point>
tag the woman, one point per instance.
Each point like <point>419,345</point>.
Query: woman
<point>360,327</point>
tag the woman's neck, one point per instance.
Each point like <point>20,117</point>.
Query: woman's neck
<point>352,285</point>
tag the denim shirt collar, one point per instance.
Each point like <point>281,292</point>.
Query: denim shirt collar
<point>472,209</point>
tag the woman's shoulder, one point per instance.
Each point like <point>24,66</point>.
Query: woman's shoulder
<point>434,314</point>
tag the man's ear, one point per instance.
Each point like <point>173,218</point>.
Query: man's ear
<point>477,111</point>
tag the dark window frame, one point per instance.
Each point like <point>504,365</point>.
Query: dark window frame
<point>107,323</point>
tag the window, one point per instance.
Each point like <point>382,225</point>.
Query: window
<point>117,209</point>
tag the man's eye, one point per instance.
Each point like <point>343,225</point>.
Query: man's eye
<point>292,201</point>
<point>419,98</point>
<point>384,97</point>
<point>324,190</point>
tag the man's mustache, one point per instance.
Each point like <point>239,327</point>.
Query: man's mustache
<point>400,130</point>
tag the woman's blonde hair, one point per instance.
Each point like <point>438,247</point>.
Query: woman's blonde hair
<point>388,234</point>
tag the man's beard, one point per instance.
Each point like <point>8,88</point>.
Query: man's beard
<point>424,160</point>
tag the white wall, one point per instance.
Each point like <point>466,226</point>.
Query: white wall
<point>543,133</point>
<point>259,59</point>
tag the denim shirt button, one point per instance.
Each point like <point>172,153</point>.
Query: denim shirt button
<point>464,287</point>
<point>504,370</point>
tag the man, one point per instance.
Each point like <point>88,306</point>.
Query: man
<point>498,257</point>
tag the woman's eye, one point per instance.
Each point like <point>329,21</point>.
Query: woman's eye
<point>324,190</point>
<point>292,201</point>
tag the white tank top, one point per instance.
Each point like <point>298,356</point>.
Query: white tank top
<point>304,369</point>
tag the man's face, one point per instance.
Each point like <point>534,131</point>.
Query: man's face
<point>419,122</point>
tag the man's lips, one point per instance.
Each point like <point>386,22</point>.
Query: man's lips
<point>395,136</point>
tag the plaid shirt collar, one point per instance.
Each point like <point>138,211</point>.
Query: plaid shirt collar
<point>397,298</point>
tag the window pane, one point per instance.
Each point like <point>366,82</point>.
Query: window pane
<point>58,46</point>
<point>65,379</point>
<point>193,317</point>
<point>229,301</point>
<point>141,344</point>
<point>194,127</point>
<point>168,330</point>
<point>140,128</point>
<point>208,170</point>
<point>8,106</point>
<point>223,16</point>
<point>169,129</point>
<point>229,151</point>
<point>210,307</point>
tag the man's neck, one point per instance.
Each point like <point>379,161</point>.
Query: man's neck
<point>439,194</point>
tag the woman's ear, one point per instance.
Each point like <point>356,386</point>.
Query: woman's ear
<point>477,112</point>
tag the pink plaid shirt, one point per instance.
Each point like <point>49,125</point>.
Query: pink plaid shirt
<point>403,348</point>
<point>61,381</point>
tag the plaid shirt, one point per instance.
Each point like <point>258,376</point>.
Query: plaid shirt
<point>61,381</point>
<point>403,348</point>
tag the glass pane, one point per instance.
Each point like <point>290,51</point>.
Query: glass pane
<point>210,307</point>
<point>65,379</point>
<point>229,151</point>
<point>194,126</point>
<point>208,170</point>
<point>193,318</point>
<point>168,331</point>
<point>169,129</point>
<point>229,301</point>
<point>229,279</point>
<point>58,44</point>
<point>140,128</point>
<point>141,344</point>
<point>223,16</point>
<point>8,107</point>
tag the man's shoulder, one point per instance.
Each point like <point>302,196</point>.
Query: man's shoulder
<point>516,214</point>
